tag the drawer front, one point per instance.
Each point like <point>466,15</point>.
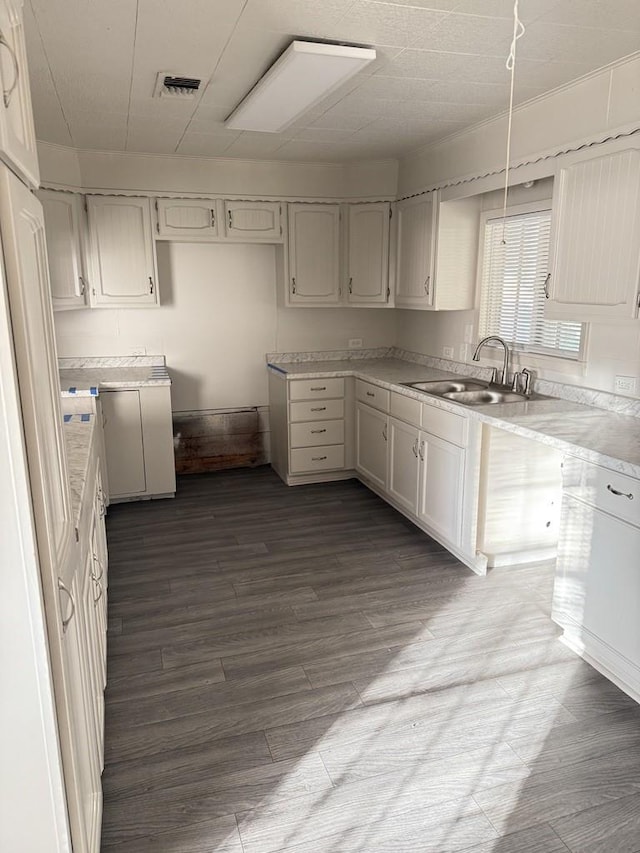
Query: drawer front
<point>372,395</point>
<point>318,410</point>
<point>445,424</point>
<point>317,459</point>
<point>600,487</point>
<point>310,389</point>
<point>405,408</point>
<point>323,432</point>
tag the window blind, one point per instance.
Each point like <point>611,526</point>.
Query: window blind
<point>514,270</point>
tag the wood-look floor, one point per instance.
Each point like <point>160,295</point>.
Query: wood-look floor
<point>301,669</point>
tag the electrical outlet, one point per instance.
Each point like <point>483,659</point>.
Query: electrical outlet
<point>468,333</point>
<point>355,343</point>
<point>138,350</point>
<point>625,383</point>
<point>447,352</point>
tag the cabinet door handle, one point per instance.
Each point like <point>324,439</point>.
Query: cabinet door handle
<point>317,431</point>
<point>546,286</point>
<point>370,394</point>
<point>293,284</point>
<point>230,218</point>
<point>320,388</point>
<point>318,458</point>
<point>427,284</point>
<point>213,218</point>
<point>8,93</point>
<point>83,286</point>
<point>318,409</point>
<point>384,432</point>
<point>613,491</point>
<point>150,285</point>
<point>100,591</point>
<point>97,562</point>
<point>421,451</point>
<point>63,588</point>
<point>415,448</point>
<point>350,285</point>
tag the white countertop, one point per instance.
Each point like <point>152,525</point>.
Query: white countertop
<point>78,436</point>
<point>85,377</point>
<point>596,435</point>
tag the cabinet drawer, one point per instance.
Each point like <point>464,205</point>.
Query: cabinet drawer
<point>372,395</point>
<point>599,487</point>
<point>323,432</point>
<point>308,389</point>
<point>316,410</point>
<point>405,408</point>
<point>445,424</point>
<point>317,459</point>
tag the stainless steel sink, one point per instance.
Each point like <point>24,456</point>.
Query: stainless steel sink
<point>480,398</point>
<point>440,387</point>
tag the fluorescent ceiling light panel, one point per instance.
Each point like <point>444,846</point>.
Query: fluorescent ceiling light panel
<point>305,74</point>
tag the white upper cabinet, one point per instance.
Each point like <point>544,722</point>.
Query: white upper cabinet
<point>63,220</point>
<point>414,273</point>
<point>367,272</point>
<point>17,134</point>
<point>123,253</point>
<point>437,253</point>
<point>314,254</point>
<point>596,237</point>
<point>253,221</point>
<point>187,218</point>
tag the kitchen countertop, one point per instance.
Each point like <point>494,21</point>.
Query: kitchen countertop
<point>78,435</point>
<point>85,377</point>
<point>596,435</point>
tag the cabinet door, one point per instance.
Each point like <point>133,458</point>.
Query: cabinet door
<point>253,220</point>
<point>186,219</point>
<point>62,220</point>
<point>403,464</point>
<point>414,274</point>
<point>597,582</point>
<point>314,261</point>
<point>17,134</point>
<point>88,588</point>
<point>596,239</point>
<point>123,253</point>
<point>441,486</point>
<point>372,444</point>
<point>124,447</point>
<point>368,254</point>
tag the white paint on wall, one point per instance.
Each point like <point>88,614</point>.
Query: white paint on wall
<point>218,317</point>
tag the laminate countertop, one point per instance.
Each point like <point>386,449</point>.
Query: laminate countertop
<point>78,434</point>
<point>600,436</point>
<point>84,377</point>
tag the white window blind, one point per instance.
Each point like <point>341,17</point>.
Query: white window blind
<point>514,270</point>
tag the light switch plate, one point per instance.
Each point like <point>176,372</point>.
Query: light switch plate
<point>625,383</point>
<point>355,343</point>
<point>447,352</point>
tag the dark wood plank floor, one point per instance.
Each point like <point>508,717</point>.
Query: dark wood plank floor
<point>301,669</point>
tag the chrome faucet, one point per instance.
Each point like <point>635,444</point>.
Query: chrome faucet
<point>505,367</point>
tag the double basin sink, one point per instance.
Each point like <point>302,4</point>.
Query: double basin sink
<point>472,392</point>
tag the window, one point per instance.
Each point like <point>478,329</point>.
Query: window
<point>514,271</point>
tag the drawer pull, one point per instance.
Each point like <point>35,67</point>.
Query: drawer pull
<point>318,408</point>
<point>370,394</point>
<point>318,458</point>
<point>320,388</point>
<point>317,431</point>
<point>415,448</point>
<point>65,622</point>
<point>613,491</point>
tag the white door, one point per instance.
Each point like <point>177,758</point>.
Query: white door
<point>123,252</point>
<point>414,273</point>
<point>62,220</point>
<point>596,238</point>
<point>187,219</point>
<point>253,220</point>
<point>372,435</point>
<point>441,486</point>
<point>124,447</point>
<point>17,134</point>
<point>404,466</point>
<point>368,254</point>
<point>314,254</point>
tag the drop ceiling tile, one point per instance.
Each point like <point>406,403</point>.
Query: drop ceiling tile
<point>162,109</point>
<point>467,34</point>
<point>470,93</point>
<point>350,121</point>
<point>528,11</point>
<point>441,5</point>
<point>322,134</point>
<point>98,131</point>
<point>206,144</point>
<point>621,15</point>
<point>298,149</point>
<point>146,142</point>
<point>368,22</point>
<point>50,123</point>
<point>597,47</point>
<point>256,145</point>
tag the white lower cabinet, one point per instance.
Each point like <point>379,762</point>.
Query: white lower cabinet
<point>441,486</point>
<point>404,441</point>
<point>138,435</point>
<point>372,444</point>
<point>597,584</point>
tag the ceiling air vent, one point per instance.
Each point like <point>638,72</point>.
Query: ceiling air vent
<point>172,86</point>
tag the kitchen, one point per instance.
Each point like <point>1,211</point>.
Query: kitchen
<point>224,302</point>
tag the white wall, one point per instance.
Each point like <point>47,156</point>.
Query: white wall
<point>590,109</point>
<point>218,317</point>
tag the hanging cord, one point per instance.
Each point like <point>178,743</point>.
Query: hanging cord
<point>518,32</point>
